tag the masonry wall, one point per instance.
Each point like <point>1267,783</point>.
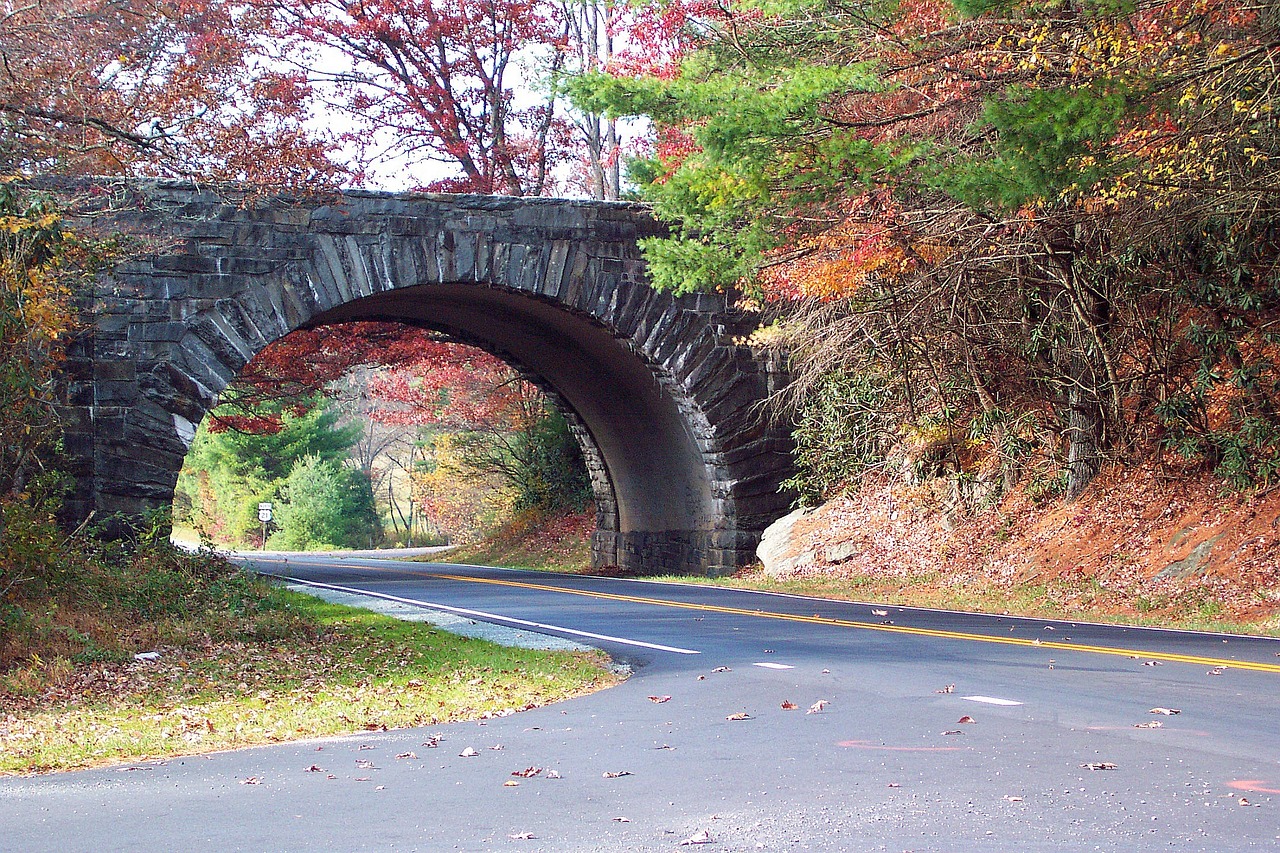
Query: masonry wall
<point>662,398</point>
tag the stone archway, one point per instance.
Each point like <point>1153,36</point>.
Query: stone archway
<point>662,397</point>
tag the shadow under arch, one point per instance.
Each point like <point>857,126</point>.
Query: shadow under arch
<point>664,395</point>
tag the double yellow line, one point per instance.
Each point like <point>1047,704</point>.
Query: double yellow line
<point>869,626</point>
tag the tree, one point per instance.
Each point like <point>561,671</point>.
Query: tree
<point>36,271</point>
<point>325,505</point>
<point>153,87</point>
<point>434,81</point>
<point>229,472</point>
<point>992,214</point>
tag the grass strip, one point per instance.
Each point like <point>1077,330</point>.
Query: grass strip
<point>351,670</point>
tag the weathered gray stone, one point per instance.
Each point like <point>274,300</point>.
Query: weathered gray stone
<point>658,392</point>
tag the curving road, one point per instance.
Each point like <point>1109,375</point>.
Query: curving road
<point>1062,752</point>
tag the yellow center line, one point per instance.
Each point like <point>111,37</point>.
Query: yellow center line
<point>867,626</point>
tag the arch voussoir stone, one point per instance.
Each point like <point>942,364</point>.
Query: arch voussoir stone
<point>660,395</point>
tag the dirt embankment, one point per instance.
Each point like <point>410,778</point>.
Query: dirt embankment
<point>1136,541</point>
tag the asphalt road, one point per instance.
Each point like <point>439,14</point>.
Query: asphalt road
<point>886,764</point>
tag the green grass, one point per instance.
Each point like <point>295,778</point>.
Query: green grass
<point>352,670</point>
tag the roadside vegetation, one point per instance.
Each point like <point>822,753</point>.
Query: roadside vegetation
<point>228,660</point>
<point>554,543</point>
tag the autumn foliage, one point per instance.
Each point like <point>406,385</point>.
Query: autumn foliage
<point>1048,233</point>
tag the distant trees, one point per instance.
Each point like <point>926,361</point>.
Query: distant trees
<point>1034,236</point>
<point>444,428</point>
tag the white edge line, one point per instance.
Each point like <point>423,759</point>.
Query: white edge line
<point>774,665</point>
<point>990,700</point>
<point>489,617</point>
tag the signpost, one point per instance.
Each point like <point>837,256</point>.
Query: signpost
<point>264,515</point>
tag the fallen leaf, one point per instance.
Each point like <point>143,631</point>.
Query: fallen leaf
<point>1168,712</point>
<point>893,785</point>
<point>722,669</point>
<point>1217,670</point>
<point>315,768</point>
<point>953,732</point>
<point>702,678</point>
<point>622,820</point>
<point>1244,801</point>
<point>431,742</point>
<point>522,836</point>
<point>966,719</point>
<point>768,651</point>
<point>789,706</point>
<point>950,688</point>
<point>511,783</point>
<point>379,787</point>
<point>365,746</point>
<point>527,773</point>
<point>365,764</point>
<point>407,755</point>
<point>658,700</point>
<point>665,746</point>
<point>738,716</point>
<point>1099,765</point>
<point>699,837</point>
<point>252,780</point>
<point>553,774</point>
<point>616,774</point>
<point>817,707</point>
<point>468,753</point>
<point>1014,799</point>
<point>497,747</point>
<point>826,672</point>
<point>879,612</point>
<point>1153,663</point>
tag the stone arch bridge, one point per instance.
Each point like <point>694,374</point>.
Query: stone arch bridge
<point>659,391</point>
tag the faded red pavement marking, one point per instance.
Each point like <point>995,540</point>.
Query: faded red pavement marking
<point>1253,786</point>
